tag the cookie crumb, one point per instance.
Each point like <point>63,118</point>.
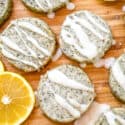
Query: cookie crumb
<point>51,15</point>
<point>70,6</point>
<point>123,8</point>
<point>82,65</point>
<point>57,55</point>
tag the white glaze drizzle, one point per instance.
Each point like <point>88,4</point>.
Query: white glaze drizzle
<point>118,74</point>
<point>74,112</point>
<point>8,42</point>
<point>64,103</point>
<point>35,43</point>
<point>33,54</point>
<point>86,24</point>
<point>9,55</point>
<point>39,5</point>
<point>83,39</point>
<point>11,44</point>
<point>33,28</point>
<point>91,19</point>
<point>60,78</point>
<point>50,4</point>
<point>120,119</point>
<point>81,107</point>
<point>111,117</point>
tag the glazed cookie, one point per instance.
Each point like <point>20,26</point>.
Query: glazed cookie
<point>46,6</point>
<point>115,116</point>
<point>28,43</point>
<point>5,9</point>
<point>117,78</point>
<point>65,93</point>
<point>85,37</point>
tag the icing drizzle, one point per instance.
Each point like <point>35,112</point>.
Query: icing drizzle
<point>30,52</point>
<point>118,74</point>
<point>59,78</point>
<point>79,38</point>
<point>50,4</point>
<point>72,106</point>
<point>74,112</point>
<point>111,117</point>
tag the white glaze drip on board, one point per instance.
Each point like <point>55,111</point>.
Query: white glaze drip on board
<point>61,79</point>
<point>118,74</point>
<point>70,6</point>
<point>111,117</point>
<point>57,55</point>
<point>92,114</point>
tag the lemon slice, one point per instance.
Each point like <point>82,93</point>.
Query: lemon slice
<point>1,67</point>
<point>16,99</point>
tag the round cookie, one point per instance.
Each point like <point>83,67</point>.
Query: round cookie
<point>28,43</point>
<point>117,78</point>
<point>46,6</point>
<point>65,93</point>
<point>5,9</point>
<point>115,116</point>
<point>85,37</point>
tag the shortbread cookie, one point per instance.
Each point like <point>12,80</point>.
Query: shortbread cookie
<point>117,78</point>
<point>115,116</point>
<point>65,93</point>
<point>28,43</point>
<point>85,37</point>
<point>5,9</point>
<point>46,6</point>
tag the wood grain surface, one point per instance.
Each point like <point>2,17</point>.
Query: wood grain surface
<point>112,13</point>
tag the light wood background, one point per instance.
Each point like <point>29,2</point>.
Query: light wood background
<point>112,13</point>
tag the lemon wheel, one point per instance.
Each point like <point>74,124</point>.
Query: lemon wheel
<point>1,67</point>
<point>16,99</point>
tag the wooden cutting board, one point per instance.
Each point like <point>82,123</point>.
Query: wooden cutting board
<point>112,13</point>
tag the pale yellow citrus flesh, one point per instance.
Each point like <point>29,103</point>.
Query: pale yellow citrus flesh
<point>1,67</point>
<point>16,99</point>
